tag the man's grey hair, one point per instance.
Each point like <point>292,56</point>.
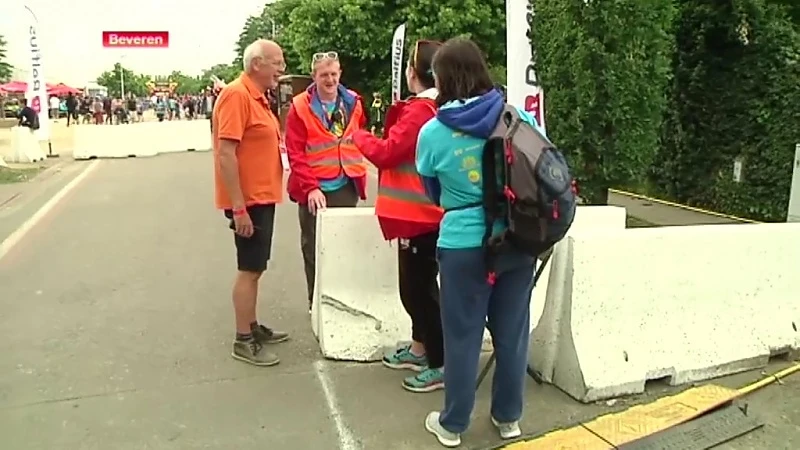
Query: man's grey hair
<point>253,51</point>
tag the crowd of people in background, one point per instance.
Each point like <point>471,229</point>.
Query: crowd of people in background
<point>109,110</point>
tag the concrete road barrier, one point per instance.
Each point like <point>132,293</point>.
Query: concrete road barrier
<point>357,314</point>
<point>141,139</point>
<point>682,303</point>
<point>24,147</point>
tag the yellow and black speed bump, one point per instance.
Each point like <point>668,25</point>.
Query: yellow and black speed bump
<point>703,433</point>
<point>613,431</point>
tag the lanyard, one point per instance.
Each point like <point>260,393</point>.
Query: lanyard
<point>329,122</point>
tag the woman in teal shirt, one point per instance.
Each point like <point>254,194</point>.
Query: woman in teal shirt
<point>449,153</point>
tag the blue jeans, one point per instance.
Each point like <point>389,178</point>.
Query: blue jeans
<point>467,301</point>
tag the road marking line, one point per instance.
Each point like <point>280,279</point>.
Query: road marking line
<point>28,225</point>
<point>347,440</point>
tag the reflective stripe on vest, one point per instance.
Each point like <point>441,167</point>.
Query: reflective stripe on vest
<point>327,154</point>
<point>401,195</point>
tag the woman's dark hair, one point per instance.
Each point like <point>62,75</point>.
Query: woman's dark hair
<point>421,59</point>
<point>461,70</point>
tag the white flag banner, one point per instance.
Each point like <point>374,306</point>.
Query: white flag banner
<point>398,41</point>
<point>522,83</point>
<point>37,87</point>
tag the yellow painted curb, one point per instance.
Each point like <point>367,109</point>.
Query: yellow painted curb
<point>681,206</point>
<point>612,430</point>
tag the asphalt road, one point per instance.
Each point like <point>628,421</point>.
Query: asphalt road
<point>116,323</point>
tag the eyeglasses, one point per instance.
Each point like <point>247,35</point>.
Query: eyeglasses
<point>422,43</point>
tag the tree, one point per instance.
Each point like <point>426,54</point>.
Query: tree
<point>791,7</point>
<point>255,27</point>
<point>113,80</point>
<point>225,72</point>
<point>359,30</point>
<point>604,67</point>
<point>267,25</point>
<point>733,103</point>
<point>483,21</point>
<point>6,69</point>
<point>188,84</point>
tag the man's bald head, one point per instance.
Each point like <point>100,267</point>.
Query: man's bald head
<point>263,61</point>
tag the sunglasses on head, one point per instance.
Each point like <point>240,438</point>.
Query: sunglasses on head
<point>324,55</point>
<point>422,43</point>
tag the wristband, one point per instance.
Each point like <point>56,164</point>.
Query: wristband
<point>239,212</point>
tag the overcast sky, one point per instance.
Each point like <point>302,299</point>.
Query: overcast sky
<point>70,35</point>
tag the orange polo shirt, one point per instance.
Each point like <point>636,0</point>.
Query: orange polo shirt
<point>242,114</point>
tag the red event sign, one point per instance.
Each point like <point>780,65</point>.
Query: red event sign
<point>136,39</point>
<point>36,104</point>
<point>532,103</point>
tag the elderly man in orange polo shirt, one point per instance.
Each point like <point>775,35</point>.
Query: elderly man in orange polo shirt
<point>248,180</point>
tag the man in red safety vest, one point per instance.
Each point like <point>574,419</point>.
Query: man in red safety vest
<point>326,168</point>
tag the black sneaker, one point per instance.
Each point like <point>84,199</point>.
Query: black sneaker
<point>267,335</point>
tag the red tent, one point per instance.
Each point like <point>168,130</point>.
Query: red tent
<point>20,87</point>
<point>14,87</point>
<point>62,89</point>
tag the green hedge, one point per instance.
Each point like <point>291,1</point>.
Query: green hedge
<point>735,95</point>
<point>604,66</point>
<point>663,96</point>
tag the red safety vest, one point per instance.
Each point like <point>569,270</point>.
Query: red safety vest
<point>401,196</point>
<point>327,154</point>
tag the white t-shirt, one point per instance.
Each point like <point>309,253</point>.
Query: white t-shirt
<point>55,102</point>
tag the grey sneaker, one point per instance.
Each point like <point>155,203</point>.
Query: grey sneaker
<point>266,335</point>
<point>508,430</point>
<point>252,351</point>
<point>445,437</point>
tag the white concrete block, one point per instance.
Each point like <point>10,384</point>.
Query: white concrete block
<point>141,139</point>
<point>688,303</point>
<point>24,147</point>
<point>357,313</point>
<point>586,218</point>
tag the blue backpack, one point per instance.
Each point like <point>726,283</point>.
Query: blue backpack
<point>527,183</point>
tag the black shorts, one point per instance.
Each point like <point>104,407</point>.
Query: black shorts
<point>253,253</point>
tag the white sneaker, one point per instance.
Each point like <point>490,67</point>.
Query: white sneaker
<point>508,430</point>
<point>445,437</point>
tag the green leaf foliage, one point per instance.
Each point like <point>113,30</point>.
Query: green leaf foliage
<point>135,84</point>
<point>734,97</point>
<point>604,66</point>
<point>226,72</point>
<point>360,31</point>
<point>5,67</point>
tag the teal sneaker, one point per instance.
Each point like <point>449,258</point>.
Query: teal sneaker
<point>428,380</point>
<point>404,359</point>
